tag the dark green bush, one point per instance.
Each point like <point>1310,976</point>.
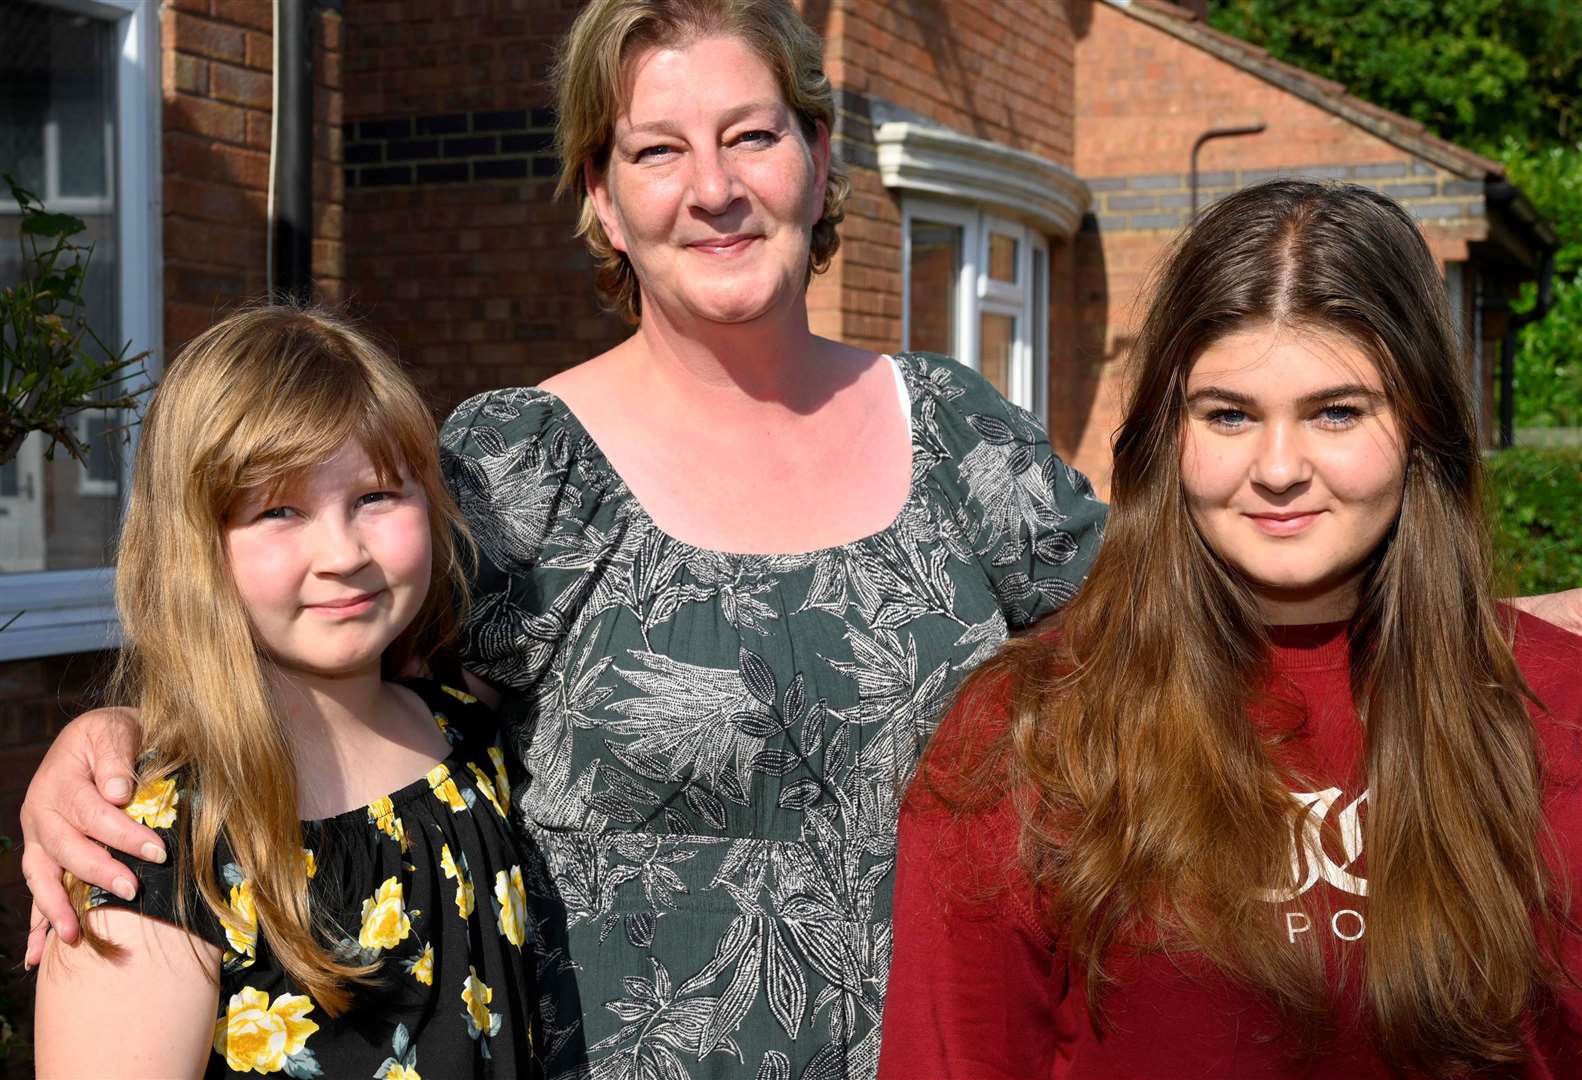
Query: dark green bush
<point>1536,504</point>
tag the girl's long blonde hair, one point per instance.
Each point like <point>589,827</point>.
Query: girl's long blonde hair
<point>255,400</point>
<point>1152,809</point>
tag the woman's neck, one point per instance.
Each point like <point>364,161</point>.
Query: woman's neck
<point>774,359</point>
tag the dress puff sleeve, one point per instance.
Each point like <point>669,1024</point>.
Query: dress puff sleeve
<point>166,891</point>
<point>1033,522</point>
<point>525,476</point>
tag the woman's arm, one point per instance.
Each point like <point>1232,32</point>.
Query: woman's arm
<point>74,799</point>
<point>147,1012</point>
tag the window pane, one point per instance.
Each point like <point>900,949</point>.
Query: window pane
<point>1002,257</point>
<point>57,114</point>
<point>996,338</point>
<point>932,281</point>
<point>1040,326</point>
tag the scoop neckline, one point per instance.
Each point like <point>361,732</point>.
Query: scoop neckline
<point>914,484</point>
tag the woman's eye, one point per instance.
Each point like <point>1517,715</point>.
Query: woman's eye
<point>652,153</point>
<point>757,138</point>
<point>377,497</point>
<point>275,513</point>
<point>1227,418</point>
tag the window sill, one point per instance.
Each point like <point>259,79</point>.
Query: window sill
<point>63,611</point>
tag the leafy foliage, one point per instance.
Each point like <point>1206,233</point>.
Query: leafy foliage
<point>1473,71</point>
<point>1537,519</point>
<point>52,364</point>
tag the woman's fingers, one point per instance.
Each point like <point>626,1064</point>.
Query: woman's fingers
<point>37,931</point>
<point>112,736</point>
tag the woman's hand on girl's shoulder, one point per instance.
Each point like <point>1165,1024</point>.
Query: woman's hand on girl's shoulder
<point>144,1008</point>
<point>75,798</point>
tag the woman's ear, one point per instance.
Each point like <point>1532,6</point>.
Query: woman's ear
<point>598,186</point>
<point>819,148</point>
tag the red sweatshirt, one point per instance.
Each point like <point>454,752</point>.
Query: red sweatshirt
<point>979,990</point>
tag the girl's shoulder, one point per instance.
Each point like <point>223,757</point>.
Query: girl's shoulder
<point>466,721</point>
<point>1551,661</point>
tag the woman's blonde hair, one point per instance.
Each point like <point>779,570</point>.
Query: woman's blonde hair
<point>249,404</point>
<point>590,76</point>
<point>1152,807</point>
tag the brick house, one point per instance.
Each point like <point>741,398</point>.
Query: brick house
<point>1152,79</point>
<point>1016,167</point>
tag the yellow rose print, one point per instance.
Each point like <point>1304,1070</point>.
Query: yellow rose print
<point>422,967</point>
<point>241,924</point>
<point>310,865</point>
<point>400,1072</point>
<point>512,898</point>
<point>486,786</point>
<point>154,804</point>
<point>445,789</point>
<point>256,1035</point>
<point>476,996</point>
<point>464,899</point>
<point>502,781</point>
<point>385,921</point>
<point>460,695</point>
<point>382,813</point>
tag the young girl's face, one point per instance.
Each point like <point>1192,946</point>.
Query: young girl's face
<point>334,567</point>
<point>1292,465</point>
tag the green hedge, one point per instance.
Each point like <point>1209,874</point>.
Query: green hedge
<point>1536,496</point>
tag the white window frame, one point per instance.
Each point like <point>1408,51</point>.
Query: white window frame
<point>976,293</point>
<point>67,611</point>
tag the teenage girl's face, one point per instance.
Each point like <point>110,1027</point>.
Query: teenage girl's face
<point>1293,466</point>
<point>334,567</point>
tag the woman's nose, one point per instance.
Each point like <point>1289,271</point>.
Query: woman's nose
<point>713,182</point>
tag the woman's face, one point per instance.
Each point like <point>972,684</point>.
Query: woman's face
<point>1292,465</point>
<point>711,190</point>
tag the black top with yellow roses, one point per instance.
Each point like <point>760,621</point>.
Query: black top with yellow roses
<point>427,880</point>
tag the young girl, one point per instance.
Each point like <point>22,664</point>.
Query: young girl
<point>345,894</point>
<point>1287,793</point>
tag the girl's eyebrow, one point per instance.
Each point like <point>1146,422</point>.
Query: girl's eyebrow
<point>1328,393</point>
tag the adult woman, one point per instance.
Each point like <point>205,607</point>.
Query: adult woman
<point>1110,818</point>
<point>730,570</point>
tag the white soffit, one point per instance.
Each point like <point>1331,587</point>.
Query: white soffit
<point>947,164</point>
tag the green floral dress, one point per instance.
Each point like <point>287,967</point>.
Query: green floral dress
<point>716,744</point>
<point>428,880</point>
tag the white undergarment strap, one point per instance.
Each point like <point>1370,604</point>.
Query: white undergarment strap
<point>901,392</point>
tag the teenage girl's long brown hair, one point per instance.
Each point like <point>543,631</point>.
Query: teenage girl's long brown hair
<point>258,398</point>
<point>1151,808</point>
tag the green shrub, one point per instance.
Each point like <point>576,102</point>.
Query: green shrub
<point>1536,505</point>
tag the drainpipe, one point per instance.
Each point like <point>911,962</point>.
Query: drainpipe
<point>1208,136</point>
<point>1546,296</point>
<point>290,249</point>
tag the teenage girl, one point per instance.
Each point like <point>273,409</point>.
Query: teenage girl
<point>1287,793</point>
<point>345,896</point>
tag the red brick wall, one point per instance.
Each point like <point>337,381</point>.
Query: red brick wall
<point>1000,70</point>
<point>456,250</point>
<point>218,58</point>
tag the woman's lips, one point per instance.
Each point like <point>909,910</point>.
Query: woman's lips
<point>1285,524</point>
<point>723,245</point>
